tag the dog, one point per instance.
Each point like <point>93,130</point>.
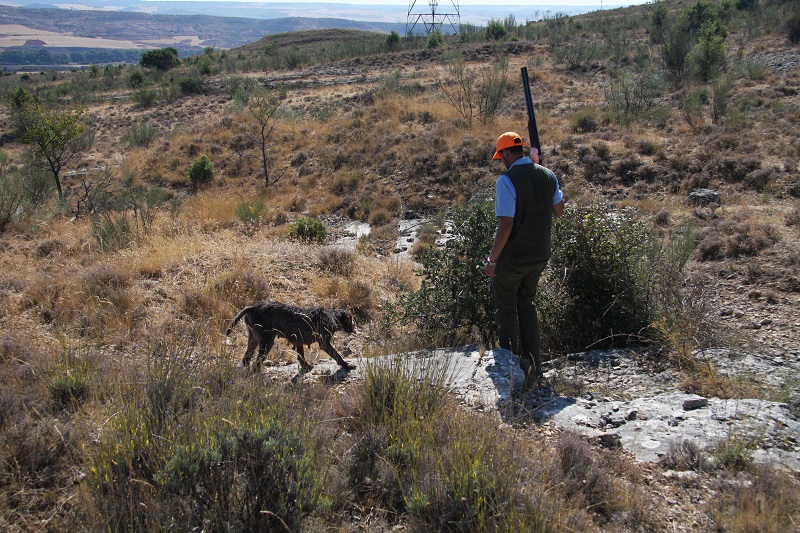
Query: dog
<point>267,320</point>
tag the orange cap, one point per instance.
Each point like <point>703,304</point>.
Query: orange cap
<point>507,140</point>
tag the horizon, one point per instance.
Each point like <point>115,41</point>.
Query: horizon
<point>478,12</point>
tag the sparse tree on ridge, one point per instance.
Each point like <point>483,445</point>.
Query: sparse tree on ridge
<point>55,137</point>
<point>265,106</point>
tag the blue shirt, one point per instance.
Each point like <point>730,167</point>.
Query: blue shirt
<point>505,199</point>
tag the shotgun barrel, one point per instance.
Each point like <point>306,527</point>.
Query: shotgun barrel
<point>533,131</point>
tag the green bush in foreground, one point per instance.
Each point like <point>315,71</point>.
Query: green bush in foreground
<point>175,458</point>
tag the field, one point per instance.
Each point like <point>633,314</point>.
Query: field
<point>191,190</point>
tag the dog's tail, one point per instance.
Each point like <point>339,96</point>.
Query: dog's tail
<point>237,319</point>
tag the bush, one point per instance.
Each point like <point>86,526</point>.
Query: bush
<point>793,28</point>
<point>145,97</point>
<point>112,231</point>
<point>202,171</point>
<point>12,194</point>
<point>307,230</point>
<point>69,382</point>
<point>136,79</point>
<point>171,455</point>
<point>393,40</point>
<point>251,213</point>
<point>435,39</point>
<point>190,86</point>
<point>140,135</point>
<point>495,30</point>
<point>584,120</point>
<point>599,296</point>
<point>161,59</point>
<point>454,303</point>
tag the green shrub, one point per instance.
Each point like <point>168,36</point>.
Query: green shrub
<point>308,230</point>
<point>69,381</point>
<point>202,171</point>
<point>495,30</point>
<point>162,59</point>
<point>735,452</point>
<point>597,295</point>
<point>261,477</point>
<point>136,79</point>
<point>251,213</point>
<point>393,40</point>
<point>435,39</point>
<point>190,86</point>
<point>112,231</point>
<point>708,57</point>
<point>584,120</point>
<point>181,449</point>
<point>140,135</point>
<point>453,304</point>
<point>145,97</point>
<point>630,95</point>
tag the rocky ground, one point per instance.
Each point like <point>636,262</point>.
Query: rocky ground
<point>615,398</point>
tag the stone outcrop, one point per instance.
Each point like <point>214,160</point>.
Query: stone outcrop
<point>615,397</point>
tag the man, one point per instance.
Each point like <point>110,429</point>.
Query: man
<point>527,197</point>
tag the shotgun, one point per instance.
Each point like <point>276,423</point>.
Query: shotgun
<point>533,131</point>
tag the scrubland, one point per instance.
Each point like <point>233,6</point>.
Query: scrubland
<point>123,407</point>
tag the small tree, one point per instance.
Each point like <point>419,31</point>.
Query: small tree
<point>659,23</point>
<point>708,56</point>
<point>202,171</point>
<point>793,28</point>
<point>459,88</point>
<point>677,44</point>
<point>393,41</point>
<point>11,192</point>
<point>495,30</point>
<point>265,106</point>
<point>435,39</point>
<point>162,59</point>
<point>55,136</point>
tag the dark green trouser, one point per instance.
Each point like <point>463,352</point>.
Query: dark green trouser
<point>513,292</point>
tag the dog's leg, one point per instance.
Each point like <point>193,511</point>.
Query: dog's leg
<point>252,344</point>
<point>301,357</point>
<point>265,343</point>
<point>328,348</point>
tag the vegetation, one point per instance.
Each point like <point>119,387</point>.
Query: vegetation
<point>252,173</point>
<point>161,59</point>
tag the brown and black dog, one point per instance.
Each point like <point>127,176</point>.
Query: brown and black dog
<point>299,326</point>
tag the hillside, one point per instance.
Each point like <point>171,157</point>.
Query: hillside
<point>62,28</point>
<point>338,168</point>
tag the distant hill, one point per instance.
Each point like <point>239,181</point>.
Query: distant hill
<point>35,35</point>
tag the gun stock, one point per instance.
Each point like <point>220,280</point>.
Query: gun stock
<point>533,131</point>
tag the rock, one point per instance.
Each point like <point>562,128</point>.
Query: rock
<point>695,403</point>
<point>646,424</point>
<point>704,197</point>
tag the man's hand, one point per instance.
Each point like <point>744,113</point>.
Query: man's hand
<point>490,269</point>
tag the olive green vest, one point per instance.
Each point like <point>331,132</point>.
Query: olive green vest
<point>529,241</point>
